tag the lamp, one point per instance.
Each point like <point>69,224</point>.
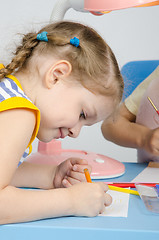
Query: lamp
<point>96,7</point>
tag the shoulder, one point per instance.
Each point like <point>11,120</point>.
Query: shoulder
<point>18,117</point>
<point>17,127</point>
<point>133,101</point>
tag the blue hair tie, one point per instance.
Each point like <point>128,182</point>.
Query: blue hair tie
<point>42,36</point>
<point>75,42</point>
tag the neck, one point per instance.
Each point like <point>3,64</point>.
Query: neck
<point>28,83</point>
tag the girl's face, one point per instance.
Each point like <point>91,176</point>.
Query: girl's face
<point>65,108</point>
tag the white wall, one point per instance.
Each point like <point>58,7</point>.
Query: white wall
<point>133,34</point>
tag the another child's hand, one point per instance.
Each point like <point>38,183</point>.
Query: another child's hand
<point>89,199</point>
<point>151,142</point>
<point>70,172</point>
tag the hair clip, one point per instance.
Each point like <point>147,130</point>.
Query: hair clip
<point>75,42</point>
<point>42,36</point>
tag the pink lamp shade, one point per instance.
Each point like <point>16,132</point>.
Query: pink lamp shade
<point>110,5</point>
<point>102,166</point>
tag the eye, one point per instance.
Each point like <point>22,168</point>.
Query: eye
<point>82,115</point>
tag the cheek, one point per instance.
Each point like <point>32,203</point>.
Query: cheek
<point>41,135</point>
<point>45,129</point>
<point>47,119</point>
<point>46,135</point>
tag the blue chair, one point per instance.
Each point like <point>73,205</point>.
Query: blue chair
<point>135,72</point>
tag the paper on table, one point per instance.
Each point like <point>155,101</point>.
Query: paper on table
<point>149,175</point>
<point>119,206</point>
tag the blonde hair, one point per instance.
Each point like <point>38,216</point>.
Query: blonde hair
<point>93,58</point>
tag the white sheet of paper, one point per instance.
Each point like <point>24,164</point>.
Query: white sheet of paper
<point>149,175</point>
<point>119,206</point>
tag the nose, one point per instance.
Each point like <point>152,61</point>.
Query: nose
<point>75,131</point>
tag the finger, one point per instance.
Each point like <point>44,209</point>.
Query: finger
<point>71,181</point>
<point>66,183</point>
<point>78,161</point>
<point>108,199</point>
<point>103,186</point>
<point>103,210</point>
<point>80,164</point>
<point>81,167</point>
<point>77,175</point>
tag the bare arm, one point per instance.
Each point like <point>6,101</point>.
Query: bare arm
<point>21,205</point>
<point>34,176</point>
<point>124,131</point>
<point>18,205</point>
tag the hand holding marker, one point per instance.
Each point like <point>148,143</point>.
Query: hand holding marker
<point>88,178</point>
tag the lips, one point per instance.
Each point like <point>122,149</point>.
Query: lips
<point>61,133</point>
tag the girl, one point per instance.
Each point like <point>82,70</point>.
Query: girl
<point>64,77</point>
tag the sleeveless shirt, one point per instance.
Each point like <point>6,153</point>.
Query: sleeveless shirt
<point>13,97</point>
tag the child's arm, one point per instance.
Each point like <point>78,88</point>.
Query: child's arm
<point>125,132</point>
<point>34,176</point>
<point>19,205</point>
<point>83,199</point>
<point>69,172</point>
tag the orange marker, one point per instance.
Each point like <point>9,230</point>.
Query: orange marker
<point>87,175</point>
<point>88,178</point>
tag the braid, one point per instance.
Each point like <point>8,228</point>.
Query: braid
<point>22,53</point>
<point>92,61</point>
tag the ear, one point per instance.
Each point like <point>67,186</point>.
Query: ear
<point>59,70</point>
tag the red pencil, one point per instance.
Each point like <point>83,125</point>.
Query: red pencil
<point>129,184</point>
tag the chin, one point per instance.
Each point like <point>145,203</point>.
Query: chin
<point>43,138</point>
